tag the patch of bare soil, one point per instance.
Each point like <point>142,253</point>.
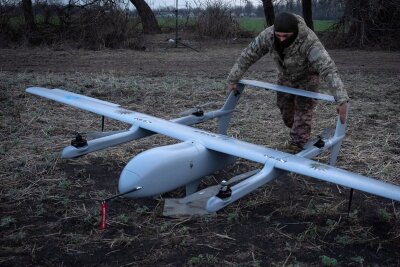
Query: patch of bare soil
<point>50,207</point>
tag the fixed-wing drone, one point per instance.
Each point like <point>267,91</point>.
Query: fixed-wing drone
<point>201,152</point>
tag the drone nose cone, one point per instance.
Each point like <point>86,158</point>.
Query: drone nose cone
<point>128,181</point>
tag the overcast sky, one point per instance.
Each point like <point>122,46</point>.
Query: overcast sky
<point>194,3</point>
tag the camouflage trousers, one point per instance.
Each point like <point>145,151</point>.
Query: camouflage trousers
<point>297,111</point>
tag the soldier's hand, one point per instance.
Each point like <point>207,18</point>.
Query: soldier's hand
<point>232,87</point>
<point>342,110</point>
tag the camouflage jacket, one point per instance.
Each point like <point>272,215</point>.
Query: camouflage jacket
<point>305,56</point>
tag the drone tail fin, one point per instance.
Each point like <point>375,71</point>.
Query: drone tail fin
<point>229,105</point>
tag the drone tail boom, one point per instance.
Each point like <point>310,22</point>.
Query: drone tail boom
<point>105,142</point>
<point>276,167</point>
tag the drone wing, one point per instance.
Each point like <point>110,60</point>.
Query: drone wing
<point>181,132</point>
<point>94,105</point>
<point>335,175</point>
<point>224,144</point>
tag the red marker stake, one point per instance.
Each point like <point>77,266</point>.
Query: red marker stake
<point>103,215</point>
<point>104,206</point>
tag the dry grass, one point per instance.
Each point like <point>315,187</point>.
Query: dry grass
<point>49,208</point>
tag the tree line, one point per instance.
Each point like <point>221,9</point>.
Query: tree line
<point>360,23</point>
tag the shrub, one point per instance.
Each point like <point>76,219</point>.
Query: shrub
<point>93,26</point>
<point>216,21</point>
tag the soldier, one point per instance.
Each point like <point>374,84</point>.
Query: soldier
<point>301,60</point>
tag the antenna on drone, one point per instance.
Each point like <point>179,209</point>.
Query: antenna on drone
<point>176,31</point>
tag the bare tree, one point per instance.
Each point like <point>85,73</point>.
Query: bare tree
<point>368,23</point>
<point>307,13</point>
<point>149,21</point>
<point>269,12</point>
<point>328,9</point>
<point>28,16</point>
<point>248,8</point>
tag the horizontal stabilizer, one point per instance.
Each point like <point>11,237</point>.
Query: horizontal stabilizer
<point>288,90</point>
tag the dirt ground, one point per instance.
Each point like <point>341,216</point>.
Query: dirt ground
<point>50,208</point>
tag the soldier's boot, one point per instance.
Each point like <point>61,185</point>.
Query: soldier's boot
<point>291,147</point>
